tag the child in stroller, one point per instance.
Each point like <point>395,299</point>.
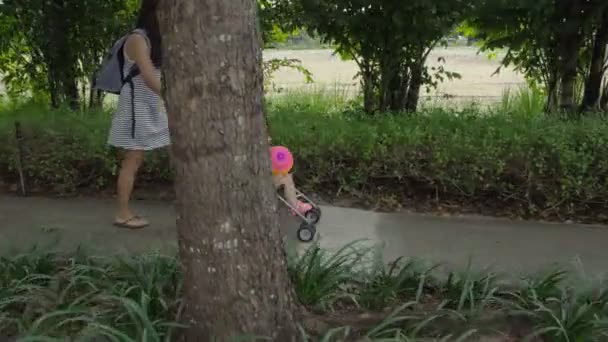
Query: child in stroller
<point>300,205</point>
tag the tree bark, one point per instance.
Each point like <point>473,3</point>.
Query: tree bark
<point>53,88</point>
<point>235,270</point>
<point>367,83</point>
<point>551,106</point>
<point>398,90</point>
<point>570,40</point>
<point>413,93</point>
<point>96,97</point>
<point>387,74</point>
<point>593,83</point>
<point>567,100</point>
<point>604,100</point>
<point>61,61</point>
<point>72,92</point>
<point>398,75</point>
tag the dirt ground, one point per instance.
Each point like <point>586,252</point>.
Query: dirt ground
<point>476,69</point>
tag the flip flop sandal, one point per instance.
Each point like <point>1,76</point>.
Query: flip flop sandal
<point>128,223</point>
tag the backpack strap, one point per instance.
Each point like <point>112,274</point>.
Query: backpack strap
<point>134,71</point>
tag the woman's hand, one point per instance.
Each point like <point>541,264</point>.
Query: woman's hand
<point>138,50</point>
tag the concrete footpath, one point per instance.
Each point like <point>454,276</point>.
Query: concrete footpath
<point>504,245</point>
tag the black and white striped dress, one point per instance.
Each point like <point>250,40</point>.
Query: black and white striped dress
<point>151,126</point>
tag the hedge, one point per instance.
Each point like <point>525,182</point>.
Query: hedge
<point>532,165</point>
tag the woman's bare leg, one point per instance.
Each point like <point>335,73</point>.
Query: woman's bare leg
<point>131,163</point>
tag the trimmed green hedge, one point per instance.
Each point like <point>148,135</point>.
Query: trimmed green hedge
<point>532,165</point>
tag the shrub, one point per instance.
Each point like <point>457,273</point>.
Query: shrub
<point>534,165</point>
<point>46,295</point>
<point>50,297</point>
<point>64,151</point>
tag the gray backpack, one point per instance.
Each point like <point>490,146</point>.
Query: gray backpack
<point>110,77</point>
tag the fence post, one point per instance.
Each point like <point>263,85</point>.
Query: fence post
<point>19,139</point>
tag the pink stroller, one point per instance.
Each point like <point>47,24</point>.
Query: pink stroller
<point>282,163</point>
<point>309,219</point>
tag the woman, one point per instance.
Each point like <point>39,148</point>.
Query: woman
<point>140,122</point>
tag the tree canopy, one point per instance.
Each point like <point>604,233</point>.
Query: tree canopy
<point>50,49</point>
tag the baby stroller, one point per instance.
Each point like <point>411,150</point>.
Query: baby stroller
<point>309,219</point>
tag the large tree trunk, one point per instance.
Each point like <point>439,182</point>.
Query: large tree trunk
<point>72,92</point>
<point>96,97</point>
<point>399,80</point>
<point>369,96</point>
<point>413,93</point>
<point>567,100</point>
<point>569,42</point>
<point>551,106</point>
<point>391,77</point>
<point>593,83</point>
<point>398,90</point>
<point>387,74</point>
<point>235,269</point>
<point>61,61</point>
<point>604,100</point>
<point>53,89</point>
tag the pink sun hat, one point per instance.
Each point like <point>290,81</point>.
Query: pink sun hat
<point>282,160</point>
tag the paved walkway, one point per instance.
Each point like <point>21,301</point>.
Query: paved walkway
<point>502,244</point>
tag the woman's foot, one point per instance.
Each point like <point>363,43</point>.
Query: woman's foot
<point>302,208</point>
<point>133,222</point>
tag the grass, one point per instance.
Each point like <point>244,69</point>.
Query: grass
<point>319,275</point>
<point>49,297</point>
<point>524,102</point>
<point>332,102</point>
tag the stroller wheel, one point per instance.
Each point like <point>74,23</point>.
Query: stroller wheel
<point>306,233</point>
<point>313,215</point>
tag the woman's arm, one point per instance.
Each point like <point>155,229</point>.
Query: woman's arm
<point>137,49</point>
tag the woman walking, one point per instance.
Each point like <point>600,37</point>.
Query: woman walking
<point>140,122</point>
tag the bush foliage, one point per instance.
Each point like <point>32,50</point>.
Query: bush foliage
<point>530,163</point>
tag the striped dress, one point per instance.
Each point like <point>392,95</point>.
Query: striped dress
<point>149,130</point>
